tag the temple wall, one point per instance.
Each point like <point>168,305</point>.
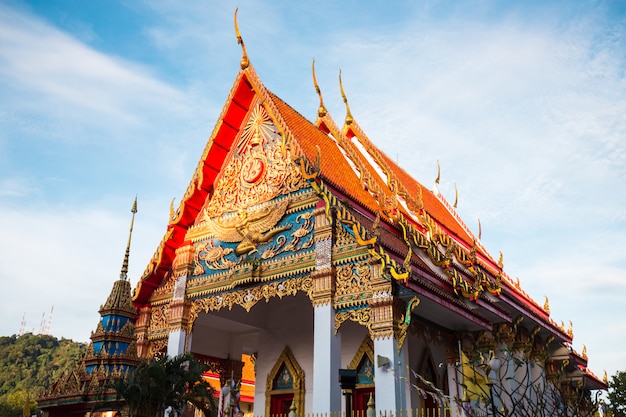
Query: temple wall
<point>420,353</point>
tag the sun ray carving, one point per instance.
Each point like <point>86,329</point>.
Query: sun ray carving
<point>258,169</point>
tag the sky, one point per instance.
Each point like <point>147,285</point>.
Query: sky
<point>523,103</point>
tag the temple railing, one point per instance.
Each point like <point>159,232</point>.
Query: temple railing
<point>416,412</point>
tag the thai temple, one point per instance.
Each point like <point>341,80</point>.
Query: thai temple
<point>307,266</point>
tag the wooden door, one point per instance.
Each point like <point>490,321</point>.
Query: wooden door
<point>360,399</point>
<point>280,403</point>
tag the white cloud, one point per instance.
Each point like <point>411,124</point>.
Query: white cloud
<point>44,69</point>
<point>15,187</point>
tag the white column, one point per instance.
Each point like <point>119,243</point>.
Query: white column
<point>391,379</point>
<point>453,389</point>
<point>177,336</point>
<point>176,342</point>
<point>327,360</point>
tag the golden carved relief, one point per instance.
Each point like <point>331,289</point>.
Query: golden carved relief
<point>362,316</point>
<point>159,319</point>
<point>157,346</point>
<point>254,233</point>
<point>250,227</point>
<point>343,237</point>
<point>353,284</point>
<point>213,257</point>
<point>286,244</point>
<point>248,297</point>
<point>261,168</point>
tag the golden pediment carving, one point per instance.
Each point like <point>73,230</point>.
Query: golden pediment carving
<point>259,168</point>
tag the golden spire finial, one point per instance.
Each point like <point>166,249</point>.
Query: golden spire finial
<point>570,329</point>
<point>436,184</point>
<point>584,354</point>
<point>546,306</point>
<point>605,378</point>
<point>245,62</point>
<point>456,196</point>
<point>124,272</point>
<point>349,118</point>
<point>480,230</point>
<point>501,261</point>
<point>321,111</point>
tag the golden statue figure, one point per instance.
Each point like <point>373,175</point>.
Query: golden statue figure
<point>249,227</point>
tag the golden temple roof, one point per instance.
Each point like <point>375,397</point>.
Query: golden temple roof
<point>356,171</point>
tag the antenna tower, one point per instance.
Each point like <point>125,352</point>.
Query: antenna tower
<point>49,325</point>
<point>23,325</point>
<point>42,326</point>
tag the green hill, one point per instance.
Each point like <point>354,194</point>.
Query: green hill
<point>31,363</point>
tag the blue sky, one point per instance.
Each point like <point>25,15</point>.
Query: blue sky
<point>523,104</point>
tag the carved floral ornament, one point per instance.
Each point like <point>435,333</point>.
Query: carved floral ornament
<point>248,297</point>
<point>261,168</point>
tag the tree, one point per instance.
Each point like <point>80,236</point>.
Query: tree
<point>28,365</point>
<point>617,394</point>
<point>162,382</point>
<point>514,386</point>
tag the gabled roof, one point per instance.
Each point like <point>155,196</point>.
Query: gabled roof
<point>349,164</point>
<point>217,149</point>
<point>308,141</point>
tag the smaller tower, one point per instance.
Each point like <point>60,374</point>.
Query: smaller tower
<point>113,348</point>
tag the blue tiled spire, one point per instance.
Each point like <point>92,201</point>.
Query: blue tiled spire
<point>113,346</point>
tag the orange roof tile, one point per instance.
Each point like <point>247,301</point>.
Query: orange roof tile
<point>334,168</point>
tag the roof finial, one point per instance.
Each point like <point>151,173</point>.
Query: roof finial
<point>456,196</point>
<point>436,184</point>
<point>321,111</point>
<point>124,273</point>
<point>349,118</point>
<point>245,62</point>
<point>570,329</point>
<point>480,230</point>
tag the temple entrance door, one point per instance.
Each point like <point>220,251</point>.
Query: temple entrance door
<point>364,366</point>
<point>280,403</point>
<point>286,386</point>
<point>430,408</point>
<point>360,399</point>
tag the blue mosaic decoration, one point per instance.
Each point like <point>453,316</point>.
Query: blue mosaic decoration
<point>293,233</point>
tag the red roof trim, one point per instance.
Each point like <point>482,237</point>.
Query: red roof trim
<point>216,152</point>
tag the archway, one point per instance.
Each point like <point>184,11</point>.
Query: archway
<point>363,362</point>
<point>285,385</point>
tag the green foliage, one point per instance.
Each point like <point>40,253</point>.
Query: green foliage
<point>162,382</point>
<point>617,394</point>
<point>29,364</point>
